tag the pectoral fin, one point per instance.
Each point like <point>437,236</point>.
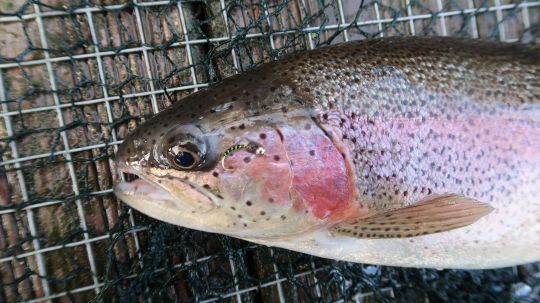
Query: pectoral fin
<point>433,214</point>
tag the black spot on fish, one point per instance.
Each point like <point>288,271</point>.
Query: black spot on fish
<point>247,159</point>
<point>215,174</point>
<point>271,200</point>
<point>312,152</point>
<point>283,217</point>
<point>249,203</point>
<point>276,157</point>
<point>263,213</point>
<point>262,136</point>
<point>242,126</point>
<point>233,208</point>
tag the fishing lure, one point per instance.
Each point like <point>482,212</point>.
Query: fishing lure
<point>250,147</point>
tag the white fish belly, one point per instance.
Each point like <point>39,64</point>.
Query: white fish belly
<point>508,236</point>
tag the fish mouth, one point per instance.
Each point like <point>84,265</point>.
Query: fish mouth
<point>157,202</point>
<point>139,188</point>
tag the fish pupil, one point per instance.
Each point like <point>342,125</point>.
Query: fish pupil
<point>184,159</point>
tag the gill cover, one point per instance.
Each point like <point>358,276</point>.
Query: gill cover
<point>302,180</point>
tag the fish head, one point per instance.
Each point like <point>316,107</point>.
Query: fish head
<point>250,171</point>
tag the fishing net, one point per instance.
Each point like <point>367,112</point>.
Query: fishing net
<point>77,76</point>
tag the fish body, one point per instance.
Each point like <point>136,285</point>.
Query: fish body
<point>416,152</point>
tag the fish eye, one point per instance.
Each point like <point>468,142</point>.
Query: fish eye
<point>183,148</point>
<point>184,156</point>
<point>184,159</point>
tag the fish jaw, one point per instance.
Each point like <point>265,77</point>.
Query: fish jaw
<point>154,198</point>
<point>148,199</point>
<point>157,203</point>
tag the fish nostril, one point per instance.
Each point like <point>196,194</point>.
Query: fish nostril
<point>132,147</point>
<point>126,153</point>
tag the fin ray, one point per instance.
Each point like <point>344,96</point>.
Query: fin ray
<point>433,214</point>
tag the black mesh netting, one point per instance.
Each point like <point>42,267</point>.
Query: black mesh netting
<point>76,77</point>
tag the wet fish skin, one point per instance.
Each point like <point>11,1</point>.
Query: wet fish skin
<point>412,117</point>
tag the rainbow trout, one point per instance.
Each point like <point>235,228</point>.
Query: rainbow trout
<point>415,152</point>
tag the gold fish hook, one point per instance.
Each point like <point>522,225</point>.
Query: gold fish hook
<point>250,147</point>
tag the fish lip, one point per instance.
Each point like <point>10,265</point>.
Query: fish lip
<point>129,190</point>
<point>122,188</point>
